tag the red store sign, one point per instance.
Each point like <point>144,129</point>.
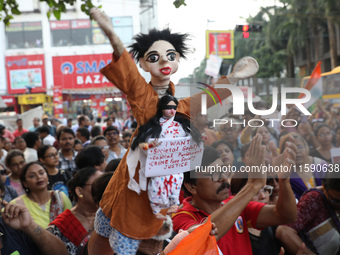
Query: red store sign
<point>8,100</point>
<point>25,72</point>
<point>80,72</point>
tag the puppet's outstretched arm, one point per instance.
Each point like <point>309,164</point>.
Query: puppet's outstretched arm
<point>105,24</point>
<point>146,146</point>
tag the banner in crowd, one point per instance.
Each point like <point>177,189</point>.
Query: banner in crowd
<point>58,102</point>
<point>175,155</point>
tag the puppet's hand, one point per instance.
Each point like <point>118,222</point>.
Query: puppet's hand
<point>103,21</point>
<point>146,146</point>
<point>172,209</point>
<point>244,68</point>
<point>105,24</point>
<point>154,143</point>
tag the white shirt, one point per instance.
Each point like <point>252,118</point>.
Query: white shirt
<point>48,140</point>
<point>30,155</point>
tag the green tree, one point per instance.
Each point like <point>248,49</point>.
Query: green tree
<point>8,8</point>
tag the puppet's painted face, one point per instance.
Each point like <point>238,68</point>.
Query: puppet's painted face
<point>161,60</point>
<point>169,110</point>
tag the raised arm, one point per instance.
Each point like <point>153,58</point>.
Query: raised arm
<point>225,217</point>
<point>105,24</point>
<point>285,210</point>
<point>19,218</point>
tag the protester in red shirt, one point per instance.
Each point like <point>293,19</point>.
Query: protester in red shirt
<point>232,216</point>
<point>20,130</point>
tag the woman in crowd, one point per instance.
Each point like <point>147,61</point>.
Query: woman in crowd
<point>225,150</point>
<point>101,141</point>
<point>73,225</point>
<point>8,144</point>
<point>109,122</point>
<point>44,205</point>
<point>306,175</point>
<point>324,136</point>
<point>317,220</point>
<point>77,145</point>
<point>14,162</point>
<point>19,143</point>
<point>263,242</point>
<point>7,193</point>
<point>57,179</point>
<point>304,128</point>
<point>3,152</point>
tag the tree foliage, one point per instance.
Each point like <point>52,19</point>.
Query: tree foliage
<point>290,29</point>
<point>8,8</point>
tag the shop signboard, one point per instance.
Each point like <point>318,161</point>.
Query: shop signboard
<point>81,71</point>
<point>25,74</point>
<point>58,102</point>
<point>223,41</point>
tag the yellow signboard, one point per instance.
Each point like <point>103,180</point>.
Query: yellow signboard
<point>32,99</point>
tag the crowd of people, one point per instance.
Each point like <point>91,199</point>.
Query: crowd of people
<point>82,189</point>
<point>52,182</point>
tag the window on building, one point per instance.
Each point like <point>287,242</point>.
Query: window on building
<point>61,33</point>
<point>86,32</point>
<point>124,28</point>
<point>81,32</point>
<point>98,36</point>
<point>24,35</point>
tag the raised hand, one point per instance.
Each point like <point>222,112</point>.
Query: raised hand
<point>244,68</point>
<point>16,216</point>
<point>105,24</point>
<point>154,143</point>
<point>286,159</point>
<point>256,151</point>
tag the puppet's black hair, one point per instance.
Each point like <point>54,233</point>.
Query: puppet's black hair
<point>144,42</point>
<point>153,129</point>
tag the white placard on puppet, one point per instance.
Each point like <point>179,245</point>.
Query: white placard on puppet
<point>173,155</point>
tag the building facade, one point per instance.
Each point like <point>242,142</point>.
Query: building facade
<point>56,63</point>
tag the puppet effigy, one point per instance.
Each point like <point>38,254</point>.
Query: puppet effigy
<point>163,191</point>
<point>126,217</point>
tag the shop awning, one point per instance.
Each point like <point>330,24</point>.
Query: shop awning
<point>92,91</point>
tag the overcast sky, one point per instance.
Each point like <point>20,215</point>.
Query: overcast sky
<point>193,19</point>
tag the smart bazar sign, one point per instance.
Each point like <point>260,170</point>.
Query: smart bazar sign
<point>79,72</point>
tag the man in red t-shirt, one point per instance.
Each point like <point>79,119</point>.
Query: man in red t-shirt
<point>233,215</point>
<point>20,130</point>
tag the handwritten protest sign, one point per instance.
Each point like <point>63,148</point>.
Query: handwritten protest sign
<point>175,155</point>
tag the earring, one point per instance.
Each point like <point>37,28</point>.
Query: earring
<point>27,190</point>
<point>81,196</point>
